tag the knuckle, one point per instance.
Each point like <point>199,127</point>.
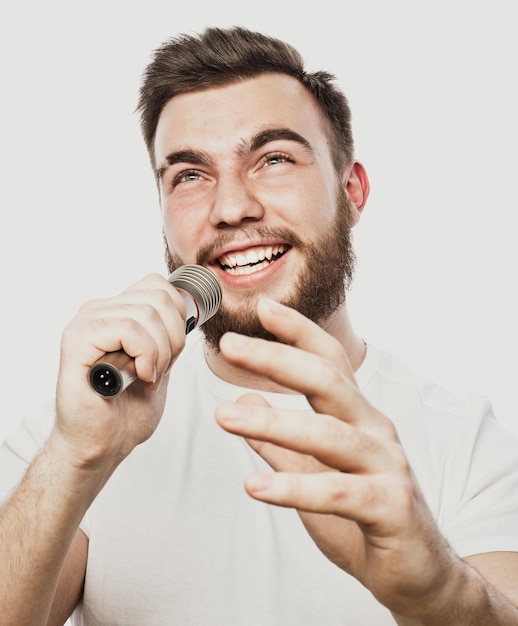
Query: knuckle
<point>163,297</point>
<point>329,376</point>
<point>176,345</point>
<point>391,433</point>
<point>90,305</point>
<point>400,460</point>
<point>148,312</point>
<point>337,492</point>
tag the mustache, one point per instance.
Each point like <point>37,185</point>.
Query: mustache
<point>257,232</point>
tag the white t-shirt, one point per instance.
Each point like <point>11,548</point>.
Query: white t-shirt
<point>175,540</point>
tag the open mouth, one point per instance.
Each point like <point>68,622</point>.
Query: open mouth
<point>253,260</point>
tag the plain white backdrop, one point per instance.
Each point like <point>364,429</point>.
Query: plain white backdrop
<point>433,91</point>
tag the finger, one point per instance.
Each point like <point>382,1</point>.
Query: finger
<point>350,496</point>
<point>297,330</point>
<point>326,387</point>
<point>167,311</point>
<point>164,324</point>
<point>153,290</point>
<point>333,443</point>
<point>147,324</point>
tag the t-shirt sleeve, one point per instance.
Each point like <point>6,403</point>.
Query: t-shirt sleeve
<point>481,508</point>
<point>22,444</point>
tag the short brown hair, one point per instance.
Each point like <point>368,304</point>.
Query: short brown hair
<point>220,56</point>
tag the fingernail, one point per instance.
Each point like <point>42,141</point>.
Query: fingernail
<point>275,307</point>
<point>239,342</point>
<point>259,482</point>
<point>233,411</point>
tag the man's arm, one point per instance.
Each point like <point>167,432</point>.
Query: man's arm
<point>500,568</point>
<point>487,595</point>
<point>90,437</point>
<point>344,470</point>
<point>38,528</point>
<point>71,582</point>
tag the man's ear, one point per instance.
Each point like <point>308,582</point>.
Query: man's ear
<point>357,187</point>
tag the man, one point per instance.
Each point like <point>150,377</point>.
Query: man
<point>390,500</point>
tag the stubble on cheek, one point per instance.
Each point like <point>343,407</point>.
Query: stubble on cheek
<point>318,290</point>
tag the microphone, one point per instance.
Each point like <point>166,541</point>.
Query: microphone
<point>201,292</point>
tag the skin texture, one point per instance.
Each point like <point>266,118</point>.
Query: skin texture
<point>224,191</point>
<point>253,172</point>
<point>349,465</point>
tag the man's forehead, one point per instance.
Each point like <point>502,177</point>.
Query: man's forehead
<point>238,111</point>
<point>279,92</point>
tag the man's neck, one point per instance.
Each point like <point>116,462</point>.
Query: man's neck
<point>338,326</point>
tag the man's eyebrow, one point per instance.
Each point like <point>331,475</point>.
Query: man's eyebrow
<point>274,134</point>
<point>196,157</point>
<point>199,157</point>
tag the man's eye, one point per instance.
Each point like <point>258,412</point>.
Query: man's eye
<point>185,177</point>
<point>274,159</point>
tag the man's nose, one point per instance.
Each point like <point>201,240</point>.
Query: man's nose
<point>234,202</point>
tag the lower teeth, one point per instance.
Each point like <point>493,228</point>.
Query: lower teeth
<point>238,270</point>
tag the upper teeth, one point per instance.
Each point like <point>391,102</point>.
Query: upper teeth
<point>252,256</point>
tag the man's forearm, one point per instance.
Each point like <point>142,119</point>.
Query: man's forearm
<point>474,603</point>
<point>37,525</point>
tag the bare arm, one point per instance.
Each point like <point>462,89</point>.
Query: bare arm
<point>37,528</point>
<point>500,568</point>
<point>71,582</point>
<point>487,594</point>
<point>345,471</point>
<point>91,436</point>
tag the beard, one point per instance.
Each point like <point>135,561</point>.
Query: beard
<point>319,289</point>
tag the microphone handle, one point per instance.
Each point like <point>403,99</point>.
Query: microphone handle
<point>112,374</point>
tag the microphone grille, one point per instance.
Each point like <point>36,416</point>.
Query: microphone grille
<point>202,285</point>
